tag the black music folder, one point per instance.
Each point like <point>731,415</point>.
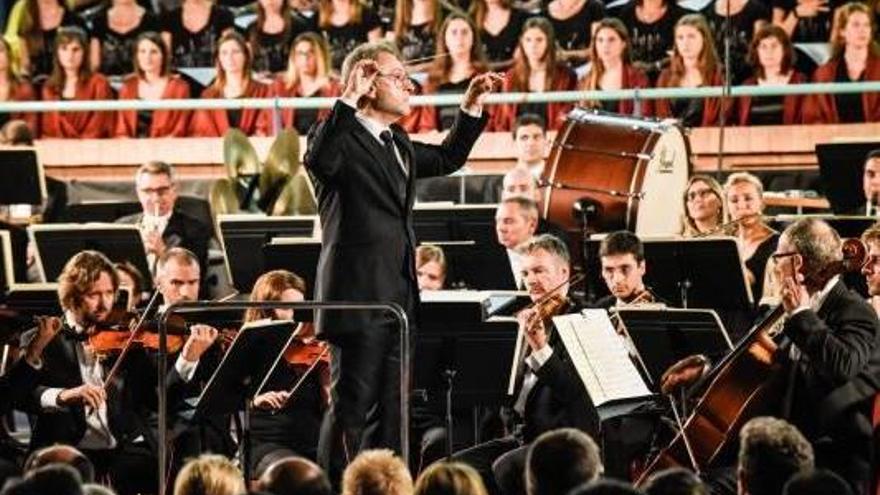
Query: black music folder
<point>664,336</point>
<point>296,255</point>
<point>477,265</point>
<point>23,179</point>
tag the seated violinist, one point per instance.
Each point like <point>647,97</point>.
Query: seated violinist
<point>830,356</point>
<point>72,404</point>
<point>623,268</point>
<point>549,394</point>
<point>287,422</point>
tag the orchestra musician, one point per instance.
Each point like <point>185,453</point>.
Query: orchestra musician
<point>871,183</point>
<point>430,267</point>
<point>871,269</point>
<point>548,394</point>
<point>704,207</point>
<point>70,403</point>
<point>519,181</point>
<point>623,268</point>
<point>830,353</point>
<point>287,424</point>
<point>162,223</point>
<point>363,166</point>
<point>515,222</point>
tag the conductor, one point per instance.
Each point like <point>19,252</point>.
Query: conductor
<point>364,168</point>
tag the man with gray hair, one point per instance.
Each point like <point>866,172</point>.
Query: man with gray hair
<point>364,166</point>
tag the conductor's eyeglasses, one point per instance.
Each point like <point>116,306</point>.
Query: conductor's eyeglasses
<point>399,78</point>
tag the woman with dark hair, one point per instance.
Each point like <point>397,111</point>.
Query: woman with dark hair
<point>500,25</point>
<point>694,64</point>
<point>308,74</point>
<point>193,31</point>
<point>39,24</point>
<point>14,88</point>
<point>152,80</point>
<point>611,69</point>
<point>536,69</point>
<point>746,17</point>
<point>115,29</point>
<point>458,59</point>
<point>771,55</point>
<point>346,24</point>
<point>573,22</point>
<point>282,424</point>
<point>416,23</point>
<point>651,26</point>
<point>855,56</point>
<point>233,81</point>
<point>271,34</point>
<point>71,79</point>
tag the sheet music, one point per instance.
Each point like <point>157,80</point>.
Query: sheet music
<point>600,357</point>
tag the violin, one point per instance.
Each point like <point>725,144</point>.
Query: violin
<point>305,349</point>
<point>113,334</point>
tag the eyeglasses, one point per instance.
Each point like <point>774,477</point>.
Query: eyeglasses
<point>699,193</point>
<point>399,78</point>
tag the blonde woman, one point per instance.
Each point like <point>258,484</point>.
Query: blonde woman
<point>209,475</point>
<point>744,194</point>
<point>704,208</point>
<point>450,478</point>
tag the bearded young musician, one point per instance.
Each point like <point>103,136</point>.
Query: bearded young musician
<point>363,166</point>
<point>548,394</point>
<point>829,350</point>
<point>871,269</point>
<point>70,402</point>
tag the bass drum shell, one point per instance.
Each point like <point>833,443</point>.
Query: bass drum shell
<point>599,152</point>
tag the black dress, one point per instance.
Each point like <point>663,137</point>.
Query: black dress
<point>757,264</point>
<point>417,42</point>
<point>446,114</point>
<point>816,29</point>
<point>117,48</point>
<point>574,33</point>
<point>742,28</point>
<point>272,51</point>
<point>500,47</point>
<point>344,39</point>
<point>196,49</point>
<point>650,43</point>
<point>849,105</point>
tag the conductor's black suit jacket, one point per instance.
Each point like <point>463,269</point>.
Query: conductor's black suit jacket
<point>365,203</point>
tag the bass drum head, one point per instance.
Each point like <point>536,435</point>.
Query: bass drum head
<point>666,175</point>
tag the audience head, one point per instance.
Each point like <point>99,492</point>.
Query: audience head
<point>6,60</point>
<point>55,479</point>
<point>479,9</point>
<point>178,275</point>
<point>309,56</point>
<point>610,44</point>
<point>871,177</point>
<point>560,460</point>
<point>519,182</point>
<point>131,281</point>
<point>295,475</point>
<point>16,133</point>
<point>277,285</point>
<point>376,472</point>
<point>457,42</point>
<point>703,201</point>
<point>806,249</point>
<point>604,487</point>
<point>389,100</point>
<point>87,287</point>
<point>674,481</point>
<point>327,7</point>
<point>816,482</point>
<point>771,451</point>
<point>853,28</point>
<point>209,474</point>
<point>516,220</point>
<point>96,489</point>
<point>233,59</point>
<point>871,268</point>
<point>450,478</point>
<point>745,198</point>
<point>71,49</point>
<point>151,55</point>
<point>536,50</point>
<point>623,264</point>
<point>771,49</point>
<point>545,266</point>
<point>430,267</point>
<point>61,454</point>
<point>530,139</point>
<point>694,44</point>
<point>156,188</point>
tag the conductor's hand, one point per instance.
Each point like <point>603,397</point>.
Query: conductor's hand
<point>533,329</point>
<point>271,401</point>
<point>201,337</point>
<point>361,82</point>
<point>90,396</point>
<point>684,373</point>
<point>479,87</point>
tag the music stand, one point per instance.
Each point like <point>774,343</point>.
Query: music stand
<point>478,266</point>
<point>243,238</point>
<point>443,222</point>
<point>662,337</point>
<point>242,372</point>
<point>57,243</point>
<point>99,211</point>
<point>299,256</point>
<point>23,179</point>
<point>841,166</point>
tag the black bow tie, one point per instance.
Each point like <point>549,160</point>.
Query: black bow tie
<point>74,336</point>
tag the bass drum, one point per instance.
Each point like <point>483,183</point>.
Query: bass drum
<point>634,171</point>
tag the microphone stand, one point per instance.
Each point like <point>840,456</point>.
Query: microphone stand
<point>725,93</point>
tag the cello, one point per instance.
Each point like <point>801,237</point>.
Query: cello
<point>747,383</point>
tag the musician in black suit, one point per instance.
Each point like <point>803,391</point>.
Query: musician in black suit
<point>834,352</point>
<point>69,401</point>
<point>164,225</point>
<point>622,257</point>
<point>520,182</point>
<point>549,394</point>
<point>364,169</point>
